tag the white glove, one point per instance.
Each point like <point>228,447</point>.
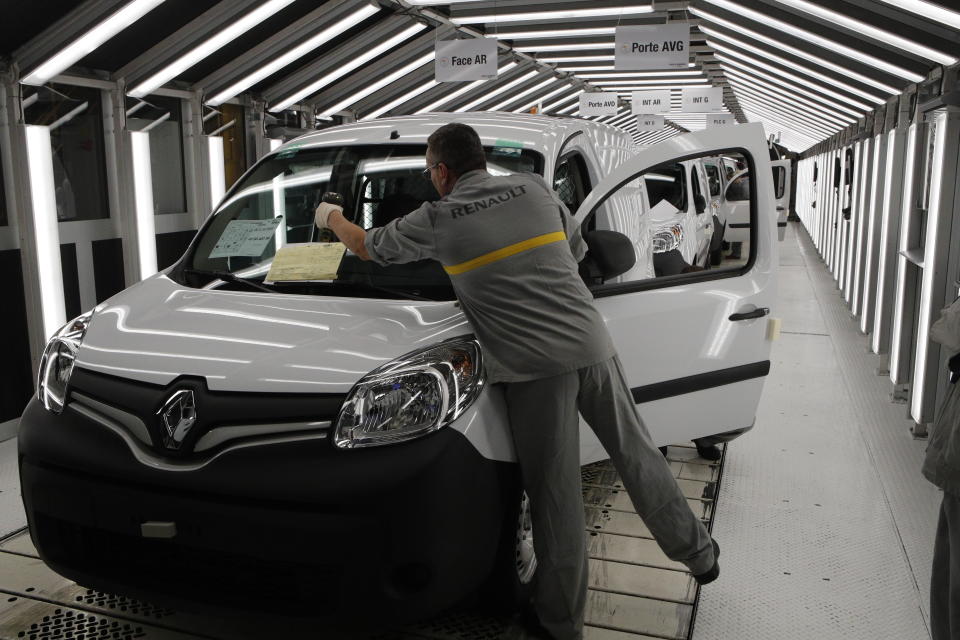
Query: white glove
<point>323,214</point>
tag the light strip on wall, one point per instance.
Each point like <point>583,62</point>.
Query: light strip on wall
<point>347,67</point>
<point>379,84</point>
<point>789,63</point>
<point>928,10</point>
<point>43,201</point>
<point>540,99</point>
<point>89,41</point>
<point>523,94</point>
<point>469,86</point>
<point>881,35</point>
<point>498,91</point>
<point>143,199</point>
<point>217,178</point>
<point>754,73</point>
<point>296,53</point>
<point>780,73</point>
<point>545,16</point>
<point>206,48</point>
<point>800,53</point>
<point>410,95</point>
<point>811,37</point>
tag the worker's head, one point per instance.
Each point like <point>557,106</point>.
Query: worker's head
<point>453,150</point>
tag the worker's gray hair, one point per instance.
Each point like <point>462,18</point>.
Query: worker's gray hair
<point>458,146</point>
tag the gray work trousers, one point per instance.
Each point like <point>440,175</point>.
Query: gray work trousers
<point>945,581</point>
<point>545,427</point>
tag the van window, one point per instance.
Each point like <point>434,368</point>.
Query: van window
<point>713,179</point>
<point>739,189</point>
<point>667,182</point>
<point>699,202</point>
<point>570,181</point>
<point>378,183</point>
<point>779,181</point>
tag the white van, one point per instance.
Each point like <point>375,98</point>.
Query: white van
<point>204,439</point>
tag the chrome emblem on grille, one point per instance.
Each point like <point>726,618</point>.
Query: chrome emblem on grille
<point>178,414</point>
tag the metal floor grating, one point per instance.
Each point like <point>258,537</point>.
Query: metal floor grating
<point>636,592</point>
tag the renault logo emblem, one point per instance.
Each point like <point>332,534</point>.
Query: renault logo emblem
<point>178,415</point>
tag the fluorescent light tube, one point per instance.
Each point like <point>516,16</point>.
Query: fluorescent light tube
<point>678,81</point>
<point>566,110</point>
<point>556,33</point>
<point>553,105</point>
<point>788,117</point>
<point>809,36</point>
<point>762,91</point>
<point>347,67</point>
<point>546,16</point>
<point>379,84</point>
<point>498,91</point>
<point>218,181</point>
<point>928,10</point>
<point>800,53</point>
<point>626,75</point>
<point>523,94</point>
<point>89,41</point>
<point>540,100</point>
<point>573,46</point>
<point>788,63</point>
<point>410,95</point>
<point>143,199</point>
<point>43,202</point>
<point>203,50</point>
<point>470,86</point>
<point>881,35</point>
<point>296,53</point>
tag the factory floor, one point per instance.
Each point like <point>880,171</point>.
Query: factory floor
<point>825,523</point>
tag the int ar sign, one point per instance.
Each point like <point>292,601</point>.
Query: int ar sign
<point>702,99</point>
<point>598,104</point>
<point>469,59</point>
<point>645,102</point>
<point>652,47</point>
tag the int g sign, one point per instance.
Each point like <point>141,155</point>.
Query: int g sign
<point>652,47</point>
<point>470,59</point>
<point>702,99</point>
<point>598,104</point>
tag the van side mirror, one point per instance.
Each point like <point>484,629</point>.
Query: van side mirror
<point>610,253</point>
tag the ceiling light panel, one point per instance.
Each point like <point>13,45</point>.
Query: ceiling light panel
<point>314,42</point>
<point>555,33</point>
<point>89,41</point>
<point>800,53</point>
<point>448,97</point>
<point>928,10</point>
<point>770,91</point>
<point>820,41</point>
<point>790,105</point>
<point>379,84</point>
<point>540,99</point>
<point>523,94</point>
<point>562,101</point>
<point>640,74</point>
<point>496,92</point>
<point>501,17</point>
<point>204,49</point>
<point>880,35</point>
<point>406,97</point>
<point>572,46</point>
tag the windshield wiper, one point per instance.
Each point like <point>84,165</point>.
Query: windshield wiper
<point>226,276</point>
<point>392,292</point>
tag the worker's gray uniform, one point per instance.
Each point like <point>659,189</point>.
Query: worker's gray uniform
<point>504,241</point>
<point>941,466</point>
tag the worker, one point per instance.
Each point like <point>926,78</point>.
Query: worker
<point>511,249</point>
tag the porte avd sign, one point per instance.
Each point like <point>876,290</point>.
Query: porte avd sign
<point>598,104</point>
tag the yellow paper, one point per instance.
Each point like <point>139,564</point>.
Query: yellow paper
<point>303,262</point>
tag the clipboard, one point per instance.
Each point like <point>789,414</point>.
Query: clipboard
<point>306,262</point>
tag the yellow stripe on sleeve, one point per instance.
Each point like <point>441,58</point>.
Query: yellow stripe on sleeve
<point>505,252</point>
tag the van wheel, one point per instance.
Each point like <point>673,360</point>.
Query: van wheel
<point>510,586</point>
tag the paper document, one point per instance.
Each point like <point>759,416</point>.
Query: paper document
<point>245,238</point>
<point>305,262</point>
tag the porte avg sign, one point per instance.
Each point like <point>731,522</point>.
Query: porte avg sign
<point>471,59</point>
<point>660,46</point>
<point>598,104</point>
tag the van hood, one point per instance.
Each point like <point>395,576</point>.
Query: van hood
<point>159,330</point>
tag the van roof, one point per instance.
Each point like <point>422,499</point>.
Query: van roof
<point>542,133</point>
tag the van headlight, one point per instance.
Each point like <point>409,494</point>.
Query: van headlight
<point>667,238</point>
<point>411,396</point>
<point>56,364</point>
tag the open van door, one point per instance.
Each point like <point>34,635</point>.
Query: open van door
<point>781,192</point>
<point>695,347</point>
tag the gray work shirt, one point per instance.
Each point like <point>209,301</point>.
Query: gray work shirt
<point>511,249</point>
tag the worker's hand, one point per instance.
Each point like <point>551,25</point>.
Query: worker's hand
<point>323,214</point>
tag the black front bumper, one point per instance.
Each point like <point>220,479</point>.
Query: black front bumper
<point>298,528</point>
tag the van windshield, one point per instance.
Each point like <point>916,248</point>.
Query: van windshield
<point>274,206</point>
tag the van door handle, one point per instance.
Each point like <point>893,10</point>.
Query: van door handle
<point>750,315</point>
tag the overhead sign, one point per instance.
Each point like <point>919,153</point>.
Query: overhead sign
<point>720,119</point>
<point>702,99</point>
<point>662,46</point>
<point>470,59</point>
<point>650,101</point>
<point>650,123</point>
<point>598,104</point>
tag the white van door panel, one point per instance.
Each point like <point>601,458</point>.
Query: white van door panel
<point>695,367</point>
<point>781,188</point>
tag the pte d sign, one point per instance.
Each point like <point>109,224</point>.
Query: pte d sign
<point>657,101</point>
<point>470,59</point>
<point>598,104</point>
<point>659,46</point>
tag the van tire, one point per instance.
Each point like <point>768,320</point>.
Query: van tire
<point>510,585</point>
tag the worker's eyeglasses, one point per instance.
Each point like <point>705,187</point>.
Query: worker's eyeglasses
<point>430,167</point>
